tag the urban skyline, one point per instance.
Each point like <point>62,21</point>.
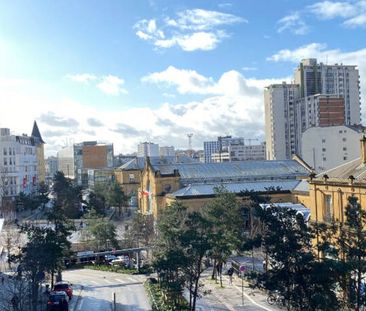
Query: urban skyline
<point>146,73</point>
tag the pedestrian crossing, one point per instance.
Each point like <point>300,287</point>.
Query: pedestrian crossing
<point>88,278</point>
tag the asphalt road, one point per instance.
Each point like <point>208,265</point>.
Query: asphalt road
<point>94,290</point>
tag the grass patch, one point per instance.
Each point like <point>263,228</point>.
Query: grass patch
<point>108,268</point>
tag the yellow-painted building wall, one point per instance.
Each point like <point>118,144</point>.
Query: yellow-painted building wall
<point>41,163</point>
<point>129,180</point>
<point>153,188</point>
<point>328,200</point>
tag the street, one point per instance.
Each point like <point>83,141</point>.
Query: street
<point>93,290</point>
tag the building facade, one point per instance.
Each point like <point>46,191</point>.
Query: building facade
<point>228,149</point>
<point>75,161</point>
<point>324,148</point>
<point>18,165</point>
<point>321,95</point>
<point>167,151</point>
<point>338,79</point>
<point>51,167</point>
<point>147,149</point>
<point>280,126</point>
<point>194,183</point>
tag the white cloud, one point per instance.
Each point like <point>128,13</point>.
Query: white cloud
<point>249,68</point>
<point>293,23</point>
<point>231,83</point>
<point>199,20</point>
<point>83,77</point>
<point>330,9</point>
<point>306,51</point>
<point>186,81</point>
<point>192,30</point>
<point>359,20</point>
<point>111,85</point>
<point>233,105</point>
<point>353,13</point>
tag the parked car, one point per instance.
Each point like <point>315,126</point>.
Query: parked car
<point>109,258</point>
<point>64,287</point>
<point>57,301</point>
<point>121,261</point>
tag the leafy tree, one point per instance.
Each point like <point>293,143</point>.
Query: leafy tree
<point>225,215</point>
<point>63,229</point>
<point>141,231</point>
<point>43,192</point>
<point>352,248</point>
<point>68,195</point>
<point>96,202</point>
<point>27,201</point>
<point>40,254</point>
<point>182,244</point>
<point>102,231</point>
<point>293,269</point>
<point>117,197</point>
<point>196,243</point>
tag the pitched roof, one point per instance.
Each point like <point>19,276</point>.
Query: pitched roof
<point>37,134</point>
<point>237,171</point>
<point>256,186</point>
<point>354,168</point>
<point>138,163</point>
<point>303,186</point>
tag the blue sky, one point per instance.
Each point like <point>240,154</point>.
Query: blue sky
<point>131,71</point>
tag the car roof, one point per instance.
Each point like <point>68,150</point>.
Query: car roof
<point>58,293</point>
<point>62,283</point>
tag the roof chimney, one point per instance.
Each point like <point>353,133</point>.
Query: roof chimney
<point>363,149</point>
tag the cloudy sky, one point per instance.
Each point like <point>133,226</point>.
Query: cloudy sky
<point>154,70</point>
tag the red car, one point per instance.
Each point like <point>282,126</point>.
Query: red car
<point>63,287</point>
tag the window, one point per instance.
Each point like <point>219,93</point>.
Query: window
<point>5,153</point>
<point>324,159</point>
<point>328,209</point>
<point>344,148</point>
<point>344,158</point>
<point>324,149</point>
<point>344,138</point>
<point>323,141</point>
<point>5,161</point>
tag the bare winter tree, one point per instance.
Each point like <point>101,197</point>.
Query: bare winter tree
<point>14,293</point>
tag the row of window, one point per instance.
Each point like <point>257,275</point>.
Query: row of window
<point>11,161</point>
<point>344,158</point>
<point>343,139</point>
<point>10,152</point>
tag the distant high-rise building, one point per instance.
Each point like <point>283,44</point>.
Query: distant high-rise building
<point>227,149</point>
<point>338,79</point>
<point>51,167</point>
<point>209,147</point>
<point>279,120</point>
<point>167,151</point>
<point>147,149</point>
<point>75,161</point>
<point>321,95</point>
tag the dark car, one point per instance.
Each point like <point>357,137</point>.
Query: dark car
<point>57,301</point>
<point>63,287</point>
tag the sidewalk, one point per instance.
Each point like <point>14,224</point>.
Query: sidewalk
<point>232,297</point>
